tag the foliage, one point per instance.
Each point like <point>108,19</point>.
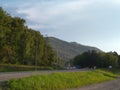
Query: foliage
<point>113,70</point>
<point>11,68</point>
<point>21,45</point>
<point>119,60</point>
<point>99,59</point>
<point>1,86</point>
<point>58,81</point>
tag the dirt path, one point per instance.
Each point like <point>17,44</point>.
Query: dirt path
<point>110,85</point>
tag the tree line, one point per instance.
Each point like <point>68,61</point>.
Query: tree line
<point>98,59</point>
<point>22,45</point>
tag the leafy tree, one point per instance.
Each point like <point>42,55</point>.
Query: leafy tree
<point>93,58</point>
<point>21,45</point>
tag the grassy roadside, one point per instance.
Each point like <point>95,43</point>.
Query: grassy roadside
<point>0,87</point>
<point>113,70</point>
<point>13,68</point>
<point>59,81</point>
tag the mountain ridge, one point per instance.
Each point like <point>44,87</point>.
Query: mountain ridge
<point>68,50</point>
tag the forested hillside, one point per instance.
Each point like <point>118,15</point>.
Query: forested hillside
<point>68,50</point>
<point>21,45</point>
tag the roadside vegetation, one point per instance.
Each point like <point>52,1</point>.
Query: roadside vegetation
<point>97,59</point>
<point>59,81</point>
<point>0,87</point>
<point>12,68</point>
<point>113,70</point>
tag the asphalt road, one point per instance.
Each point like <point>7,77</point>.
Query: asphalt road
<point>110,85</point>
<point>12,75</point>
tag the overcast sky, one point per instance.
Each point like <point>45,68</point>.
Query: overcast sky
<point>89,22</point>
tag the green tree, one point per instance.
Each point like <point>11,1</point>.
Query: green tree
<point>18,43</point>
<point>93,58</point>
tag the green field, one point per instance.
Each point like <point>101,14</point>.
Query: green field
<point>59,81</point>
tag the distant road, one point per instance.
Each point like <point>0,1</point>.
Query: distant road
<point>5,76</point>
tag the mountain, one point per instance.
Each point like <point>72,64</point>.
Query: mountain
<point>68,50</point>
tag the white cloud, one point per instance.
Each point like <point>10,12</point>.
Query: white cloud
<point>70,14</point>
<point>47,11</point>
<point>93,22</point>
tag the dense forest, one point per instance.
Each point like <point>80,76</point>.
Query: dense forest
<point>22,45</point>
<point>97,59</point>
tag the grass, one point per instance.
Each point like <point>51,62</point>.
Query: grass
<point>0,86</point>
<point>113,70</point>
<point>13,67</point>
<point>59,81</point>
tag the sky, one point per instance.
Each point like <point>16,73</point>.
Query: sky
<point>88,22</point>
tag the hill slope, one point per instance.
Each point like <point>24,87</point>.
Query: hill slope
<point>68,50</point>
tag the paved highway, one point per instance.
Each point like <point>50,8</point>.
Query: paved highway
<point>110,85</point>
<point>11,75</point>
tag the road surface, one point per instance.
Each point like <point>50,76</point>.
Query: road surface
<point>11,75</point>
<point>110,85</point>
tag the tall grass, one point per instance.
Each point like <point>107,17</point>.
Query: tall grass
<point>59,81</point>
